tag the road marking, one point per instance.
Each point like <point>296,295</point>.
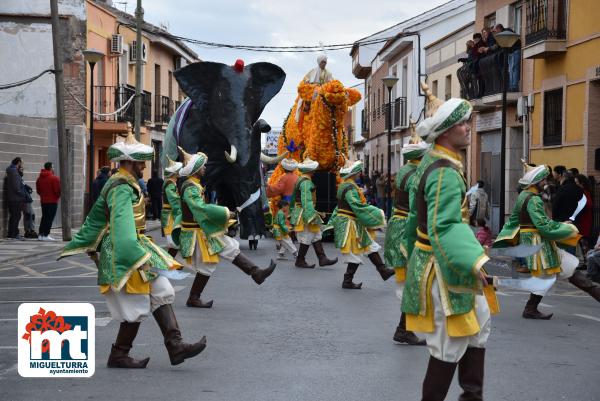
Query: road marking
<point>60,269</point>
<point>8,347</point>
<point>48,286</point>
<point>546,305</point>
<point>29,270</point>
<point>42,263</point>
<point>503,294</point>
<point>8,319</point>
<point>6,268</point>
<point>90,268</point>
<point>50,277</point>
<point>178,288</point>
<point>102,321</point>
<point>587,317</point>
<point>8,370</point>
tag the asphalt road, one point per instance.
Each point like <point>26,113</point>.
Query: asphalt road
<point>300,336</point>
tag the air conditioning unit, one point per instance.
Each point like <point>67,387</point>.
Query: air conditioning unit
<point>133,52</point>
<point>116,44</point>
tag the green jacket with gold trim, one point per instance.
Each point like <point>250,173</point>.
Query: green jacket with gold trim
<point>366,217</point>
<point>115,227</point>
<point>302,205</point>
<point>212,220</point>
<point>394,253</point>
<point>531,225</point>
<point>453,254</point>
<point>170,219</point>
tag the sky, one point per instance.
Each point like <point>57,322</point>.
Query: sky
<point>279,23</point>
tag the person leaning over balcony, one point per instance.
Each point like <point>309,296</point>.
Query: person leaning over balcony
<point>514,59</point>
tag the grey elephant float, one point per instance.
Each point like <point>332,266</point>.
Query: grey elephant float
<point>221,118</point>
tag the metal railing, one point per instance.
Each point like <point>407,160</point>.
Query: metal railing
<point>482,77</point>
<point>163,109</point>
<point>545,19</point>
<point>364,121</point>
<point>107,99</point>
<point>398,113</point>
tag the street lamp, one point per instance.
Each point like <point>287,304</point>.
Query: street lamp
<point>506,40</point>
<point>92,56</point>
<point>389,83</point>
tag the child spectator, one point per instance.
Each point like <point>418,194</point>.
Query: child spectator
<point>484,234</point>
<point>281,231</point>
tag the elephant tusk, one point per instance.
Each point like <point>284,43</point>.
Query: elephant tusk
<point>231,158</point>
<point>272,160</point>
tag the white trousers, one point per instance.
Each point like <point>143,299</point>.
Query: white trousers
<point>451,349</point>
<point>357,258</point>
<point>286,243</point>
<point>307,237</point>
<point>231,248</point>
<point>136,307</point>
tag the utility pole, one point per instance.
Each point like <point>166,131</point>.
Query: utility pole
<point>139,17</point>
<point>63,135</point>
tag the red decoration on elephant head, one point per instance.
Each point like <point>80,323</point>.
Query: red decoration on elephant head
<point>239,65</point>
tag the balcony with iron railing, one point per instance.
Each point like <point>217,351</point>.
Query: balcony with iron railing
<point>399,117</point>
<point>364,123</point>
<point>481,81</point>
<point>163,109</point>
<point>108,99</point>
<point>545,28</point>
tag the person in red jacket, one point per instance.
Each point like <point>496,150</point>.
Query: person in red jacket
<point>48,188</point>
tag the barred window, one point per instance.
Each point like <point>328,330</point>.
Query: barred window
<point>553,103</point>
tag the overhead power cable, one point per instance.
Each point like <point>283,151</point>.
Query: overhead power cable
<point>270,49</point>
<point>25,81</point>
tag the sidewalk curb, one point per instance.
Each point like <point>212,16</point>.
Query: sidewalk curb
<point>36,255</point>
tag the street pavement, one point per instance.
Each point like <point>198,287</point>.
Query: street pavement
<point>299,336</point>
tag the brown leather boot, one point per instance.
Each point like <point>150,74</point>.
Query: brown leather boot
<point>248,267</point>
<point>470,374</point>
<point>300,259</point>
<point>404,336</point>
<point>531,311</point>
<point>384,271</point>
<point>119,353</point>
<point>323,260</point>
<point>173,252</point>
<point>178,350</point>
<point>437,379</point>
<point>581,281</point>
<point>349,275</point>
<point>194,299</point>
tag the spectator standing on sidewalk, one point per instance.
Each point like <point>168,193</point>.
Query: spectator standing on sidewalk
<point>155,185</point>
<point>583,222</point>
<point>566,203</point>
<point>48,188</point>
<point>99,182</point>
<point>380,184</point>
<point>15,197</point>
<point>484,234</point>
<point>28,215</point>
<point>479,206</point>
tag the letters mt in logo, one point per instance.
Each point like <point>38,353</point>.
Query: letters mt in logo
<point>56,340</point>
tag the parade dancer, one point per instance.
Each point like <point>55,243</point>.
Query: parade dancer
<point>354,223</point>
<point>444,278</point>
<point>170,219</point>
<point>305,219</point>
<point>529,224</point>
<point>202,240</point>
<point>394,254</point>
<point>286,183</point>
<point>281,231</point>
<point>130,264</point>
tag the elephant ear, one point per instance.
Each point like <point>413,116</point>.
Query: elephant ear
<point>198,80</point>
<point>265,82</point>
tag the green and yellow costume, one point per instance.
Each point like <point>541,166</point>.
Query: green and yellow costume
<point>441,244</point>
<point>394,253</point>
<point>302,206</point>
<point>115,227</point>
<point>529,224</point>
<point>202,223</point>
<point>171,211</point>
<point>354,220</point>
<point>280,227</point>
